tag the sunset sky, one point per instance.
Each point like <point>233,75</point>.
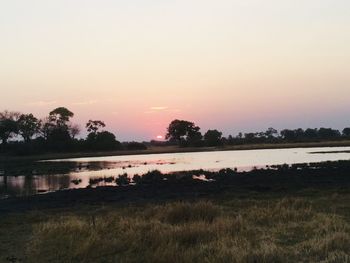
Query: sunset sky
<point>227,64</point>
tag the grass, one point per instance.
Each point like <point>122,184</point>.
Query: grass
<point>312,226</point>
<point>287,214</point>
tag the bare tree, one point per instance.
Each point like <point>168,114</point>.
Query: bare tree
<point>74,130</point>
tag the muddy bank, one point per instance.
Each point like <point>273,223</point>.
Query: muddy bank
<point>156,187</point>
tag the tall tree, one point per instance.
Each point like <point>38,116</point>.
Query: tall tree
<point>271,133</point>
<point>328,133</point>
<point>213,138</point>
<point>94,126</point>
<point>181,130</point>
<point>46,127</point>
<point>28,126</point>
<point>311,134</point>
<point>346,132</point>
<point>8,128</point>
<point>61,116</point>
<point>8,125</point>
<point>74,130</point>
<point>288,135</point>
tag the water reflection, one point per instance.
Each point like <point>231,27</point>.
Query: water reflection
<point>32,184</point>
<point>45,176</point>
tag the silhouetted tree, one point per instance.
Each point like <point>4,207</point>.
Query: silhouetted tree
<point>213,138</point>
<point>28,126</point>
<point>74,130</point>
<point>183,132</point>
<point>288,135</point>
<point>231,140</point>
<point>103,141</point>
<point>46,127</point>
<point>60,116</point>
<point>8,128</point>
<point>299,134</point>
<point>59,135</point>
<point>250,137</point>
<point>311,134</point>
<point>8,125</point>
<point>57,129</point>
<point>328,133</point>
<point>12,115</point>
<point>271,133</point>
<point>94,126</point>
<point>346,132</point>
<point>194,138</point>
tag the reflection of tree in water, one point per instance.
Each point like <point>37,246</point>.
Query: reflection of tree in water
<point>31,178</point>
<point>11,185</point>
<point>56,168</point>
<point>29,185</point>
<point>57,182</point>
<point>43,183</point>
<point>3,184</point>
<point>5,181</point>
<point>39,168</point>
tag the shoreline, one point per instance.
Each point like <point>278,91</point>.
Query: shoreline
<point>172,149</point>
<point>278,204</point>
<point>182,186</point>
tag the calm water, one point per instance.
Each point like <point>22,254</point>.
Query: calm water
<point>81,170</point>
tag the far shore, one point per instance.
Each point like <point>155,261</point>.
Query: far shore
<point>172,149</point>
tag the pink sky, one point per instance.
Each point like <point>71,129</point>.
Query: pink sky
<point>231,65</point>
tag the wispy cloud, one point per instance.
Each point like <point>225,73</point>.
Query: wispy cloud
<point>158,108</point>
<point>42,103</point>
<point>86,102</point>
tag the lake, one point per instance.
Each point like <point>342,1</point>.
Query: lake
<point>80,172</point>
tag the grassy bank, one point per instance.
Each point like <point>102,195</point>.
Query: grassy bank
<point>310,226</point>
<point>298,213</point>
<point>173,149</point>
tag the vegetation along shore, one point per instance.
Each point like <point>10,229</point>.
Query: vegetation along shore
<point>25,137</point>
<point>276,214</point>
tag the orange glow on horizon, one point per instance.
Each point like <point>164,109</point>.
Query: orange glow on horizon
<point>281,64</point>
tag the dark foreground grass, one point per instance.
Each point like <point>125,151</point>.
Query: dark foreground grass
<point>312,226</point>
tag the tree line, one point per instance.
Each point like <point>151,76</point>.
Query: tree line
<point>55,133</point>
<point>186,133</point>
<point>26,134</point>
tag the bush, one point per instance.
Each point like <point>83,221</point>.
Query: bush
<point>123,180</point>
<point>152,177</point>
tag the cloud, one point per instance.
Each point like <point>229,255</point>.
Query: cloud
<point>87,102</point>
<point>42,103</point>
<point>159,108</point>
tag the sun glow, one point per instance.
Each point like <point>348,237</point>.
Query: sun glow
<point>159,137</point>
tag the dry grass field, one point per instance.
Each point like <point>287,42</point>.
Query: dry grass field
<point>310,227</point>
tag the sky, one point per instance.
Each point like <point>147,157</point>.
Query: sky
<point>226,64</point>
